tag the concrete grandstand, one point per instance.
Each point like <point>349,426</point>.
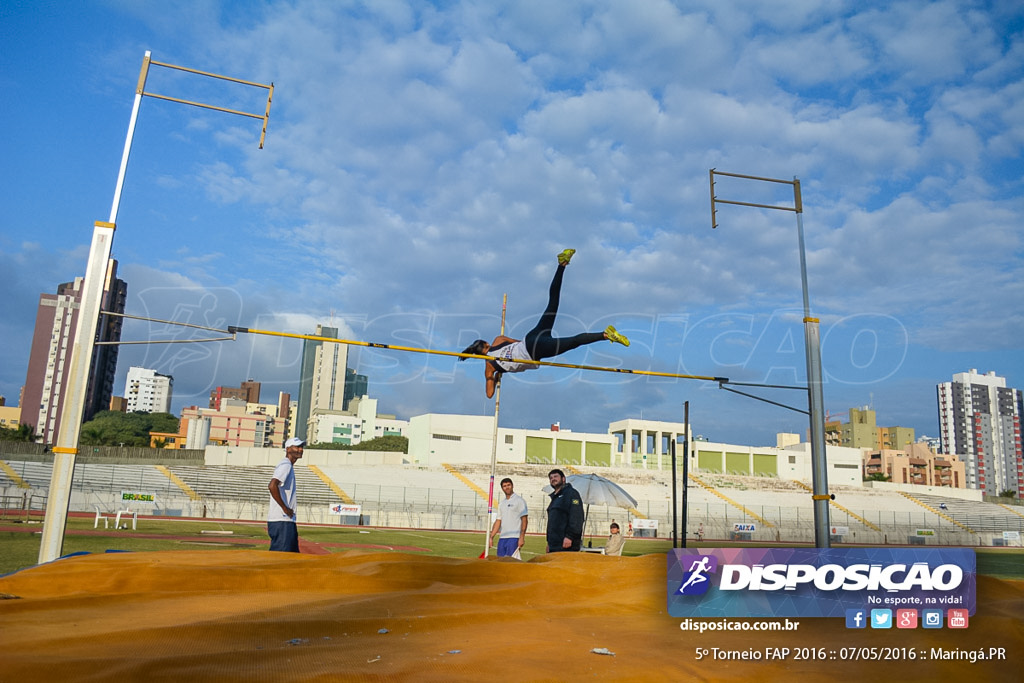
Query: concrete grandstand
<point>454,496</point>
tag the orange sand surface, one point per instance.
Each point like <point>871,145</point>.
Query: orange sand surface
<point>261,616</point>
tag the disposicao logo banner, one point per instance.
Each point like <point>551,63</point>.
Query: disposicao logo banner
<point>812,582</point>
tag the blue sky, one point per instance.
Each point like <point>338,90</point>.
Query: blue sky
<point>422,160</point>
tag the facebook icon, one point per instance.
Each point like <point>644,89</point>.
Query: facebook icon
<point>856,618</point>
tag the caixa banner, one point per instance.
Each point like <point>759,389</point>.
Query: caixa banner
<point>810,582</point>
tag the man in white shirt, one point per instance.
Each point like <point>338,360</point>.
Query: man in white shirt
<point>284,535</point>
<point>511,522</point>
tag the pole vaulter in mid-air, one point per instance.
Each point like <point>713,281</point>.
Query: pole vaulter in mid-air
<point>539,343</point>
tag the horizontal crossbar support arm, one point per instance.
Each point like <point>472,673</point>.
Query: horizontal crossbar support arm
<point>766,386</point>
<point>721,385</point>
<point>167,322</point>
<point>164,341</point>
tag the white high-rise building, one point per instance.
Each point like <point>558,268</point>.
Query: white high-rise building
<point>322,382</point>
<point>147,391</point>
<point>979,420</point>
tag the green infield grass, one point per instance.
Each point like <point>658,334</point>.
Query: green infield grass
<point>20,549</point>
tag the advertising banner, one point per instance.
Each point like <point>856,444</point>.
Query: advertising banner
<point>809,582</point>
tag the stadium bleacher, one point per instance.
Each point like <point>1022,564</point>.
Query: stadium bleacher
<point>435,497</point>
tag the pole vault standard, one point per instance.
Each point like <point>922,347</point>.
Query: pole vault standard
<point>812,344</point>
<point>494,443</point>
<point>65,450</point>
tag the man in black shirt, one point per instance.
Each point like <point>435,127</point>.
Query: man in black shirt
<point>565,515</point>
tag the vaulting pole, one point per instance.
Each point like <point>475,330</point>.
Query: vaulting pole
<point>494,444</point>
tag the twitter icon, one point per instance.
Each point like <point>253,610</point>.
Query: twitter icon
<point>881,618</point>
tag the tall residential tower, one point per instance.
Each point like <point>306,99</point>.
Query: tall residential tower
<point>322,382</point>
<point>50,358</point>
<point>979,420</point>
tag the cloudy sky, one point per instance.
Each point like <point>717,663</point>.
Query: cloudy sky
<point>422,160</point>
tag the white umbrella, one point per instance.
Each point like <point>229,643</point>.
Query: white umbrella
<point>596,490</point>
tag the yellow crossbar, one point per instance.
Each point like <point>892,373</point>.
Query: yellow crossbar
<point>394,347</point>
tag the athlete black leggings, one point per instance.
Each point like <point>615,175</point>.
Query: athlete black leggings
<point>539,341</point>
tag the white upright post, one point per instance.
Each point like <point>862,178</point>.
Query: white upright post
<point>66,448</point>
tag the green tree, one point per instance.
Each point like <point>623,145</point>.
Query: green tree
<point>113,428</point>
<point>391,444</point>
<point>22,432</point>
<point>91,436</point>
<point>1008,493</point>
<point>877,476</point>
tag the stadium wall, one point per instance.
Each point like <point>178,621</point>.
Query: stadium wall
<point>435,439</point>
<point>243,456</point>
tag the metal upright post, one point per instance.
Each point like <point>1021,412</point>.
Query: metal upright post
<point>686,468</point>
<point>812,344</point>
<point>675,498</point>
<point>815,395</point>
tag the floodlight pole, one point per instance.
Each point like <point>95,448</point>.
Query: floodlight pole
<point>812,344</point>
<point>65,449</point>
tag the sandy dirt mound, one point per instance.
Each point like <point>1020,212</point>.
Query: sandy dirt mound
<point>255,615</point>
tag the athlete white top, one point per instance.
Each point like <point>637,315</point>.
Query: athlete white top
<point>512,509</point>
<point>510,351</point>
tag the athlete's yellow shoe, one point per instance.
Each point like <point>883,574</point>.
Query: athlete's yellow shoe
<point>615,336</point>
<point>565,256</point>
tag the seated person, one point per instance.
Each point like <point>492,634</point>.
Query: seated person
<point>613,546</point>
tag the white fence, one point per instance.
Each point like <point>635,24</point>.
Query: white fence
<point>243,496</point>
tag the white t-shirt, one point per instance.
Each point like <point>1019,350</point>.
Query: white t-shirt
<point>284,473</point>
<point>512,509</point>
<point>513,350</point>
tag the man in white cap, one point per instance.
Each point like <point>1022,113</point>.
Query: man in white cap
<point>284,535</point>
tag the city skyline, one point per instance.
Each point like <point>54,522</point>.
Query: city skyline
<point>423,160</point>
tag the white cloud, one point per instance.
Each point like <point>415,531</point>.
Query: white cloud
<point>423,160</point>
